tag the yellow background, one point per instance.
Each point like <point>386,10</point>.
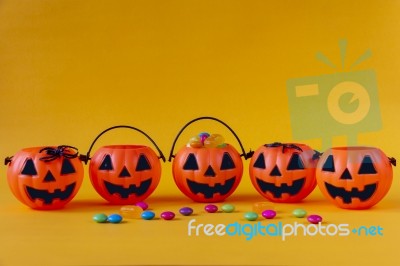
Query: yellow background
<point>69,69</point>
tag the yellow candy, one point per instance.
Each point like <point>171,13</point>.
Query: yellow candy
<point>131,211</point>
<point>214,140</point>
<point>259,207</point>
<point>195,142</point>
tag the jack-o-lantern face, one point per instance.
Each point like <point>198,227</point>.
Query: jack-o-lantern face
<point>207,174</point>
<point>283,172</point>
<point>354,177</point>
<point>125,174</point>
<point>45,181</point>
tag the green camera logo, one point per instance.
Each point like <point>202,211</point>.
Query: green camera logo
<point>339,104</point>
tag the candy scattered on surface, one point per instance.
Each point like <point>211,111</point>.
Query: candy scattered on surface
<point>147,215</point>
<point>130,211</point>
<point>114,218</point>
<point>299,213</point>
<point>168,215</point>
<point>250,216</point>
<point>100,218</point>
<point>259,207</point>
<point>142,205</point>
<point>186,211</point>
<point>211,208</point>
<point>269,214</point>
<point>314,219</point>
<point>228,208</point>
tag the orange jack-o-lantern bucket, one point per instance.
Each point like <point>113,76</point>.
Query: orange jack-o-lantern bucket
<point>284,172</point>
<point>354,177</point>
<point>45,178</point>
<point>124,174</point>
<point>207,173</point>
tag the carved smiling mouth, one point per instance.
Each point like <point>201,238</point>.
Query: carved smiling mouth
<point>209,191</point>
<point>292,190</point>
<point>48,197</point>
<point>346,196</point>
<point>131,190</point>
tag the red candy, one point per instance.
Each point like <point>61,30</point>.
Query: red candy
<point>167,215</point>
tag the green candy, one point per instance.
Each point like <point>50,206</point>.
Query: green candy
<point>299,213</point>
<point>251,216</point>
<point>228,208</point>
<point>100,218</point>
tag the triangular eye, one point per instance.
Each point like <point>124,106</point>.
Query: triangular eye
<point>260,162</point>
<point>329,165</point>
<point>367,167</point>
<point>106,164</point>
<point>227,162</point>
<point>67,167</point>
<point>295,162</point>
<point>143,163</point>
<point>191,163</point>
<point>29,168</point>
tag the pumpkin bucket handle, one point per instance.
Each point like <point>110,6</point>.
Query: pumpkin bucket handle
<point>392,161</point>
<point>244,154</point>
<point>86,158</point>
<point>8,160</point>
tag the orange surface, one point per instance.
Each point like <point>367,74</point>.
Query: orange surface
<point>70,69</point>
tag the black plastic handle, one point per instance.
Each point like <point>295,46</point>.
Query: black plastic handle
<point>392,160</point>
<point>86,158</point>
<point>8,160</point>
<point>244,154</point>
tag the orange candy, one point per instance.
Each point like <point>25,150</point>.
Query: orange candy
<point>259,207</point>
<point>131,211</point>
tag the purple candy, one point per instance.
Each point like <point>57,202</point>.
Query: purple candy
<point>186,211</point>
<point>167,215</point>
<point>268,214</point>
<point>314,219</point>
<point>142,205</point>
<point>211,208</point>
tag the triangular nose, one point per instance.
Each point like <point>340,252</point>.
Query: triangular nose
<point>346,174</point>
<point>275,171</point>
<point>49,177</point>
<point>209,172</point>
<point>124,173</point>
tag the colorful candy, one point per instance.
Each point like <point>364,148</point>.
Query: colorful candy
<point>204,139</point>
<point>168,215</point>
<point>299,213</point>
<point>269,214</point>
<point>142,205</point>
<point>250,216</point>
<point>314,219</point>
<point>211,208</point>
<point>114,218</point>
<point>186,211</point>
<point>213,141</point>
<point>130,211</point>
<point>228,208</point>
<point>100,218</point>
<point>147,215</point>
<point>203,136</point>
<point>195,142</point>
